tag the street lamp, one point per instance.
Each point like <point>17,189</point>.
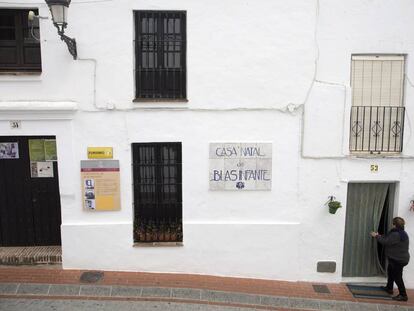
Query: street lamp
<point>59,10</point>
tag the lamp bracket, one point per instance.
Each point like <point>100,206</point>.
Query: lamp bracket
<point>61,24</point>
<point>71,43</point>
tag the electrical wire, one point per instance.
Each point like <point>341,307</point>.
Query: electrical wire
<point>33,35</point>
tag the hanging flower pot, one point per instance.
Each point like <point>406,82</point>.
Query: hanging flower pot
<point>333,206</point>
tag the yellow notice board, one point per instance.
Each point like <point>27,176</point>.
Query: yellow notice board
<point>100,153</point>
<point>100,185</point>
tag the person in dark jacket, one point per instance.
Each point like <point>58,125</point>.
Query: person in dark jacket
<point>396,250</point>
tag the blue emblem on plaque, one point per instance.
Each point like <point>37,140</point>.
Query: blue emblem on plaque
<point>240,185</point>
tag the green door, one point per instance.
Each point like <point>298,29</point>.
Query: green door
<point>369,208</point>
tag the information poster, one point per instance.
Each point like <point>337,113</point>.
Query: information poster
<point>100,185</point>
<point>42,150</point>
<point>50,150</point>
<point>41,153</point>
<point>37,150</point>
<point>9,150</point>
<point>240,166</point>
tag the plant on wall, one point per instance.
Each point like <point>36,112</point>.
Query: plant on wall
<point>333,205</point>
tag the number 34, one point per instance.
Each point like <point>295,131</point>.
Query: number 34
<point>15,124</point>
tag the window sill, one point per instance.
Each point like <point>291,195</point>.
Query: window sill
<point>368,154</point>
<point>158,244</point>
<point>160,103</point>
<point>20,76</point>
<point>20,73</point>
<point>160,100</point>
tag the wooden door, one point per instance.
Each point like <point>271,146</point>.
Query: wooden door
<point>29,206</point>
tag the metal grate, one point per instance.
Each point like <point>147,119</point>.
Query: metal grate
<point>91,276</point>
<point>157,192</point>
<point>321,289</point>
<point>377,129</point>
<point>160,47</point>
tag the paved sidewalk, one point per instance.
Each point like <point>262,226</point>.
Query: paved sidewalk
<point>54,283</point>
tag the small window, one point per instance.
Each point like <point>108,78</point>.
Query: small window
<point>160,54</point>
<point>19,42</point>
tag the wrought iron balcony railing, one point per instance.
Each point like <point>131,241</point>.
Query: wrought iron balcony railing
<point>376,129</point>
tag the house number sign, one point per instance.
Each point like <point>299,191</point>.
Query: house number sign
<point>374,168</point>
<point>240,166</point>
<point>15,124</point>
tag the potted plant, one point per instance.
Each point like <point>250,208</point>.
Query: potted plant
<point>333,206</point>
<point>139,232</point>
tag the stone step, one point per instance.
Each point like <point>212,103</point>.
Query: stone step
<point>30,255</point>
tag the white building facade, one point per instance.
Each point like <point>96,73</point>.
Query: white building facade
<point>284,74</point>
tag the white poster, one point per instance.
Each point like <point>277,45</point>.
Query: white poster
<point>41,169</point>
<point>240,166</point>
<point>9,150</point>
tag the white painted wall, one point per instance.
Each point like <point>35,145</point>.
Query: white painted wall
<point>248,62</point>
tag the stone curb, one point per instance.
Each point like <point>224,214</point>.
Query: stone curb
<point>185,295</point>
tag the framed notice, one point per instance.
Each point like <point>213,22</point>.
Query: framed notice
<point>100,185</point>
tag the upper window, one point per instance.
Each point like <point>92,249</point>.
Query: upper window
<point>19,42</point>
<point>377,114</point>
<point>160,54</point>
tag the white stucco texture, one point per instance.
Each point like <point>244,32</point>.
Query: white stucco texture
<point>208,249</point>
<point>268,71</point>
<point>324,121</point>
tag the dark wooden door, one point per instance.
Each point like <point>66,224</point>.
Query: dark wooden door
<point>29,207</point>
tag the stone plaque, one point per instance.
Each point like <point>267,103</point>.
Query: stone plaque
<point>240,166</point>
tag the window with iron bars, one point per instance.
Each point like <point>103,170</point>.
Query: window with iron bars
<point>377,113</point>
<point>160,55</point>
<point>157,179</point>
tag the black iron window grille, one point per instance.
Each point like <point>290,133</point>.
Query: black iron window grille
<point>160,54</point>
<point>19,42</point>
<point>157,182</point>
<point>377,129</point>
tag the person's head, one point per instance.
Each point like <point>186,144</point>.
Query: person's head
<point>399,223</point>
